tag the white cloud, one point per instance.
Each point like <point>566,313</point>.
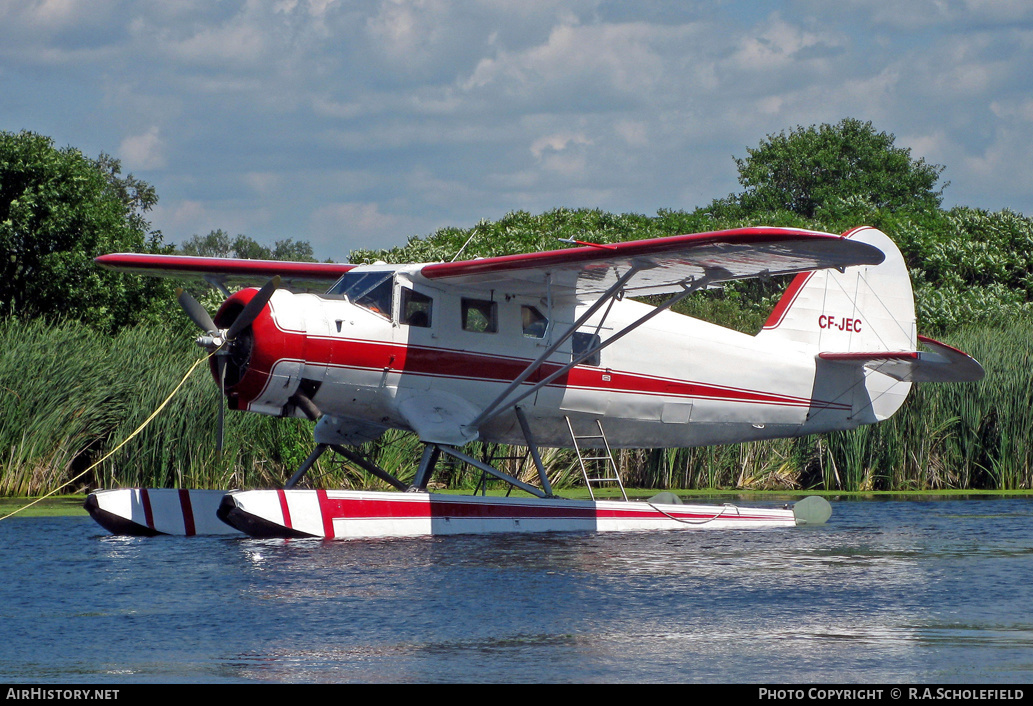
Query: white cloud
<point>264,183</point>
<point>634,132</point>
<point>594,64</point>
<point>380,119</point>
<point>557,143</point>
<point>337,228</point>
<point>145,151</point>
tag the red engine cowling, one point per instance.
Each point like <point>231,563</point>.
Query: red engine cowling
<point>266,360</point>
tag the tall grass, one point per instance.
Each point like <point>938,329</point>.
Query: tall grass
<point>68,395</point>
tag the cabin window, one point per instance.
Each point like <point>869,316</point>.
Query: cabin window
<point>371,290</point>
<point>534,322</point>
<point>416,308</point>
<point>581,343</point>
<point>480,316</point>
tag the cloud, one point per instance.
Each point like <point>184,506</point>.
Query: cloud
<point>557,143</point>
<point>340,227</point>
<point>145,151</point>
<point>373,120</point>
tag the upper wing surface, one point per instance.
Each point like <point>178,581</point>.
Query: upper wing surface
<point>665,263</point>
<point>227,270</point>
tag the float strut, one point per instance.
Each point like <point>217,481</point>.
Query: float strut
<point>543,476</point>
<point>427,464</point>
<point>307,464</point>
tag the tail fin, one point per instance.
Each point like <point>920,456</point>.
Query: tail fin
<point>859,322</point>
<point>853,314</point>
<point>868,308</point>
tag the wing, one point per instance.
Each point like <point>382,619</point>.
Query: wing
<point>219,270</point>
<point>664,263</point>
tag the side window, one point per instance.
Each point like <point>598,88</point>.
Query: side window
<point>480,316</point>
<point>534,322</point>
<point>416,308</point>
<point>581,343</point>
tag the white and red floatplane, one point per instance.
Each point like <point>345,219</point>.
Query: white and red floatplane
<point>546,349</point>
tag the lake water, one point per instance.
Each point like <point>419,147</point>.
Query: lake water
<point>888,592</point>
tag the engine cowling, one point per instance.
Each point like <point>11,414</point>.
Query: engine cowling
<point>266,360</point>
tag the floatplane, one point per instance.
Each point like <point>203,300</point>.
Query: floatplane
<point>546,349</point>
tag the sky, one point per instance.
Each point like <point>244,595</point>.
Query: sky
<point>361,123</point>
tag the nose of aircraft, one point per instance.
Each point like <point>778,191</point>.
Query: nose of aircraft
<point>228,338</point>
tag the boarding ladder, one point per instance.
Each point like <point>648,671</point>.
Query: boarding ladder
<point>597,442</point>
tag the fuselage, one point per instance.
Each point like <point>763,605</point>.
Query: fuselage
<point>381,352</point>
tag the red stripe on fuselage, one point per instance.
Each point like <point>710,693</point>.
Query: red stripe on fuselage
<point>357,354</point>
<point>273,344</point>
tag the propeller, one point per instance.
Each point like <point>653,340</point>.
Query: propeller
<point>253,308</point>
<point>197,313</point>
<point>220,342</point>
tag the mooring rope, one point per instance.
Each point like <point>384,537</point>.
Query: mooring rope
<point>125,441</point>
<point>725,507</point>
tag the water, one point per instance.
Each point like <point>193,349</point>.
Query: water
<point>887,592</point>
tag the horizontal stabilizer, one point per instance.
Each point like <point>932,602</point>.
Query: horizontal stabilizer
<point>941,363</point>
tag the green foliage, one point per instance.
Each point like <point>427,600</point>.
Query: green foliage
<point>807,168</point>
<point>219,244</point>
<point>65,395</point>
<point>58,211</point>
<point>69,394</point>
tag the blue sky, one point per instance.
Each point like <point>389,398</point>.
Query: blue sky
<point>361,123</point>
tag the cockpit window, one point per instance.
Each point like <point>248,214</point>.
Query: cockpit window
<point>372,290</point>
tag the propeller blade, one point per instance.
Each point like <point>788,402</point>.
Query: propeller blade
<point>195,311</point>
<point>220,366</point>
<point>253,308</point>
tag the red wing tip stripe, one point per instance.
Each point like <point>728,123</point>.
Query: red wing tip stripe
<point>229,266</point>
<point>933,342</point>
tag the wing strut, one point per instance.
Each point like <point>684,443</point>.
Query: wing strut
<point>689,286</point>
<point>615,289</point>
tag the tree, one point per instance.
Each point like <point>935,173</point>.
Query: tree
<point>58,211</point>
<point>218,244</point>
<point>807,169</point>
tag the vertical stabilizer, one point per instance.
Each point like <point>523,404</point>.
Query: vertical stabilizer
<point>868,309</point>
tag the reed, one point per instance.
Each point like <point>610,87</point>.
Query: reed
<point>68,395</point>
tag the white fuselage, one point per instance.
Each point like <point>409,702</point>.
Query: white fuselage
<point>674,381</point>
